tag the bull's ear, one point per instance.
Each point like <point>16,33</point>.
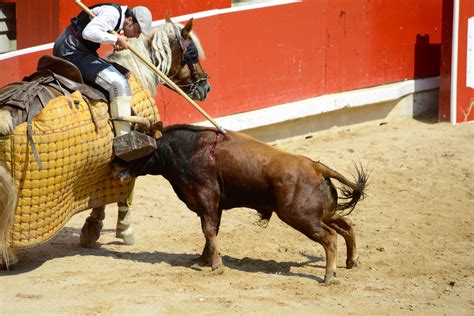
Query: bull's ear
<point>187,29</point>
<point>167,17</point>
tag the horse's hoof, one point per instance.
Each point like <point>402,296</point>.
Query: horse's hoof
<point>90,232</point>
<point>88,244</point>
<point>85,242</point>
<point>352,263</point>
<point>126,236</point>
<point>128,240</point>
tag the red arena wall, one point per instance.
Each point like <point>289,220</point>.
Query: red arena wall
<point>268,56</point>
<point>278,54</point>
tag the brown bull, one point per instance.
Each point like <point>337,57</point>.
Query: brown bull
<point>211,172</point>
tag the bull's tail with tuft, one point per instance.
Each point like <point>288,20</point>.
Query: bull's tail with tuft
<point>8,199</point>
<point>351,192</point>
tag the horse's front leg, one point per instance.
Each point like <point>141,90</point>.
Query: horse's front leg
<point>124,228</point>
<point>90,232</point>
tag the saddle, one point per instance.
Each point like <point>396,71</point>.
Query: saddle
<point>68,75</point>
<point>53,73</point>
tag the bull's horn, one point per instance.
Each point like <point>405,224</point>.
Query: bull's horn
<point>133,119</point>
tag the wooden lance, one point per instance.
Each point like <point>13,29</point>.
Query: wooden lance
<point>159,73</point>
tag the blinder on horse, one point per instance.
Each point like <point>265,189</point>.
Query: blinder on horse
<point>190,57</point>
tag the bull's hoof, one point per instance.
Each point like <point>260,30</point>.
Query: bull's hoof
<point>330,278</point>
<point>200,262</point>
<point>219,270</point>
<point>217,264</point>
<point>352,263</point>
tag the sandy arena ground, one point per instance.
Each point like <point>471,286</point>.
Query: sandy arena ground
<point>414,235</point>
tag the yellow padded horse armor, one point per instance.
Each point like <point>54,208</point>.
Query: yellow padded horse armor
<point>75,153</point>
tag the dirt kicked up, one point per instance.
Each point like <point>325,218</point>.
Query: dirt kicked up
<point>414,234</point>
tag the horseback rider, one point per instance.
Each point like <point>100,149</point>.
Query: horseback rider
<point>80,41</point>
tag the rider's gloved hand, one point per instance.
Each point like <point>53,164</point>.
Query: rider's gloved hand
<point>121,43</point>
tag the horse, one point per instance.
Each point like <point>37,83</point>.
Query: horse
<point>174,49</point>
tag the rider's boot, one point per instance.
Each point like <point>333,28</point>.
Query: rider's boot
<point>128,145</point>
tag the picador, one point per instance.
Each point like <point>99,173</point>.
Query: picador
<point>80,41</point>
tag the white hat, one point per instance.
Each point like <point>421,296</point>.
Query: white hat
<point>143,17</point>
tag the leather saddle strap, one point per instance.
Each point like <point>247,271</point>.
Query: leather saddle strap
<point>29,133</point>
<point>44,95</point>
<point>43,100</point>
<point>4,97</point>
<point>23,95</point>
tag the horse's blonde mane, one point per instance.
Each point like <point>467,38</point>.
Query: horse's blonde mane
<point>156,49</point>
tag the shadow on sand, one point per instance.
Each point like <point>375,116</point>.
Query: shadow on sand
<point>66,244</point>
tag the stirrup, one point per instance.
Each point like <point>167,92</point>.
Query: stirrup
<point>133,145</point>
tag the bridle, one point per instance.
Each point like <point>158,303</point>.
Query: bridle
<point>189,57</point>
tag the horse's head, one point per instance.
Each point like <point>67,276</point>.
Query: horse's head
<point>186,70</point>
<point>175,51</point>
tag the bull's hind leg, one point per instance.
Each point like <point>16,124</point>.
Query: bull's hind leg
<point>327,237</point>
<point>90,232</point>
<point>318,231</point>
<point>343,226</point>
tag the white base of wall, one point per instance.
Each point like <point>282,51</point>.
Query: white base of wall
<point>411,98</point>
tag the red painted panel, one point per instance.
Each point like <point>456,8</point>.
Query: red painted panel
<point>36,21</point>
<point>271,56</point>
<point>465,95</point>
<point>374,42</point>
<point>445,67</point>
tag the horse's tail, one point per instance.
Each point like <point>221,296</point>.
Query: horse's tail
<point>352,191</point>
<point>8,199</point>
